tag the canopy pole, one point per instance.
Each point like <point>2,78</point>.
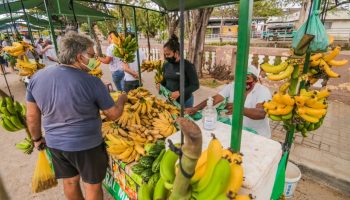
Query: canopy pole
<point>90,27</point>
<point>13,23</point>
<point>137,40</point>
<point>182,62</point>
<point>147,32</point>
<point>28,25</point>
<point>51,25</point>
<point>245,21</point>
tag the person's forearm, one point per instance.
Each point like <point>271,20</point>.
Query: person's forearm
<point>202,105</point>
<point>52,59</point>
<point>254,113</point>
<point>120,107</point>
<point>34,125</point>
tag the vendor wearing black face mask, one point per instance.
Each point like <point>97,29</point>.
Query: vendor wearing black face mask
<point>171,69</point>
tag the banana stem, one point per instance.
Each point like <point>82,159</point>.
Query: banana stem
<point>191,150</point>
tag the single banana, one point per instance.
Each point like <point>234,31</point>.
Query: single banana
<point>160,192</point>
<point>218,181</point>
<point>332,55</point>
<point>338,62</point>
<point>167,166</point>
<point>274,68</point>
<point>214,155</point>
<point>309,118</point>
<point>328,70</point>
<point>236,179</point>
<point>283,75</point>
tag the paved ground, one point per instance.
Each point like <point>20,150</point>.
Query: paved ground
<point>16,168</point>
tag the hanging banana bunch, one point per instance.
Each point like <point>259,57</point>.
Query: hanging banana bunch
<point>278,72</point>
<point>18,48</point>
<point>125,47</point>
<point>321,65</point>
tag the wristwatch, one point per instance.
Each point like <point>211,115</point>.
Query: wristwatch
<point>38,139</point>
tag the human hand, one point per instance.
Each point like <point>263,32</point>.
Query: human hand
<point>175,95</point>
<point>40,145</point>
<point>123,98</point>
<point>229,107</point>
<point>190,111</point>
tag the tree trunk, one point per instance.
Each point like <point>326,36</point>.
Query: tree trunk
<point>304,11</point>
<point>173,20</point>
<point>123,19</point>
<point>97,40</point>
<point>200,19</point>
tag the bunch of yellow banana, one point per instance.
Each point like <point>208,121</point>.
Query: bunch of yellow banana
<point>163,105</point>
<point>278,72</point>
<point>325,61</point>
<point>113,128</point>
<point>122,148</point>
<point>165,124</point>
<point>158,77</point>
<point>143,106</point>
<point>280,107</point>
<point>115,95</point>
<point>27,68</point>
<point>18,48</point>
<point>312,105</point>
<point>218,173</point>
<point>150,65</point>
<point>97,71</point>
<point>125,47</point>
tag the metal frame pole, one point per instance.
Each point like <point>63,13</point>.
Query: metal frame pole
<point>51,25</point>
<point>137,40</point>
<point>13,23</point>
<point>90,27</point>
<point>182,61</point>
<point>245,21</point>
<point>28,25</point>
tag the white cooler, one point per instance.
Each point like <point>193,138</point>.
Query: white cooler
<point>260,161</point>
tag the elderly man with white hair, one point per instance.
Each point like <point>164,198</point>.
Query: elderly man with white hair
<point>255,95</point>
<point>66,100</point>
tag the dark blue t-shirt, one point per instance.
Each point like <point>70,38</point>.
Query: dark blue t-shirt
<point>69,100</point>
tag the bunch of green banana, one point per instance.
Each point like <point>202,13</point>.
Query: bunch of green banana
<point>159,76</point>
<point>278,72</point>
<point>125,47</point>
<point>12,114</point>
<point>26,146</point>
<point>311,108</point>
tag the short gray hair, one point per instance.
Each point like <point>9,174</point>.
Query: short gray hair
<point>71,45</point>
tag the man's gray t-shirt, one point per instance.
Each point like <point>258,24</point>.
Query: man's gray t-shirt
<point>69,100</point>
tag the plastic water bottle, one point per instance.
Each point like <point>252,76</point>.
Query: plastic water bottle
<point>209,115</point>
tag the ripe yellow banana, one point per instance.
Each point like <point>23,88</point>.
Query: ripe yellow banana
<point>328,70</point>
<point>338,62</point>
<point>332,54</point>
<point>281,111</point>
<point>283,75</point>
<point>214,155</point>
<point>309,118</point>
<point>236,179</point>
<point>274,68</point>
<point>284,87</point>
<point>316,56</point>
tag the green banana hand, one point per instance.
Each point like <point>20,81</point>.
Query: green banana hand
<point>4,125</point>
<point>144,193</point>
<point>16,122</point>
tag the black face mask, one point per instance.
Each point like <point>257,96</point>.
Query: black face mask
<point>171,60</point>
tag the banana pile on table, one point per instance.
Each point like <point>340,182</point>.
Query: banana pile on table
<point>18,48</point>
<point>125,47</point>
<point>311,108</point>
<point>97,71</point>
<point>321,65</point>
<point>145,120</point>
<point>218,176</point>
<point>26,67</point>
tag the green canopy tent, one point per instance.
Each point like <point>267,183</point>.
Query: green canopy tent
<point>171,5</point>
<point>32,20</point>
<point>58,7</point>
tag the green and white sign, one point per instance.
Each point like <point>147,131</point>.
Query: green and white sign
<point>113,187</point>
